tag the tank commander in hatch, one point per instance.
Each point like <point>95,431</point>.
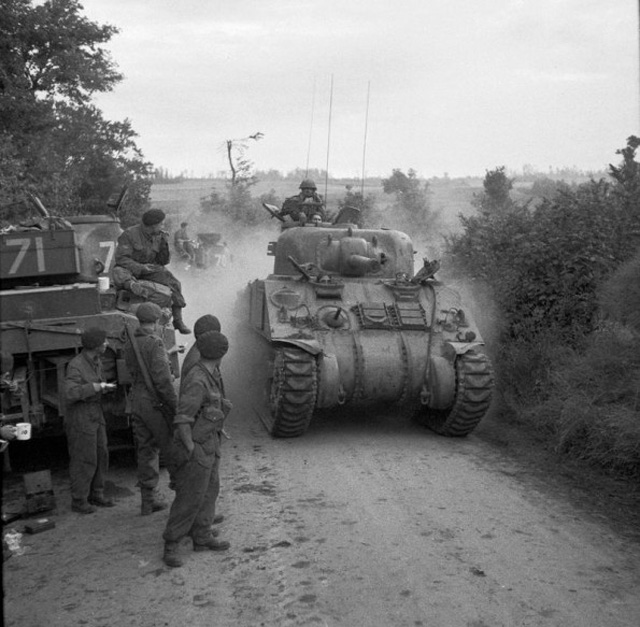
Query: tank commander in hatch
<point>143,250</point>
<point>308,203</point>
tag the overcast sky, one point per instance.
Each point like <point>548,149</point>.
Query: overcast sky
<point>456,86</point>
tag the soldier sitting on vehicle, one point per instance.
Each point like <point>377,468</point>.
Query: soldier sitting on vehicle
<point>307,203</point>
<point>183,243</point>
<point>143,252</point>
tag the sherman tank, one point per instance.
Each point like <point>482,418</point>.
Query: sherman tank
<point>54,283</point>
<point>343,320</point>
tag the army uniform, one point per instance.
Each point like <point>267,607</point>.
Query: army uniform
<point>86,432</point>
<point>303,203</point>
<point>138,247</point>
<point>202,409</point>
<point>152,425</point>
<point>307,205</point>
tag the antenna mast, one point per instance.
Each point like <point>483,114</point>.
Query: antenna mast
<point>326,174</point>
<point>313,106</point>
<point>364,143</point>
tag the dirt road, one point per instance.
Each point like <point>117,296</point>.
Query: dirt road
<point>363,521</point>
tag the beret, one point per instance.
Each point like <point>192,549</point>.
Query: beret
<point>153,216</point>
<point>148,312</point>
<point>206,323</point>
<point>212,345</point>
<point>93,337</point>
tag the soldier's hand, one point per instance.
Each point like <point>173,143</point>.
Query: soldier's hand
<point>184,433</point>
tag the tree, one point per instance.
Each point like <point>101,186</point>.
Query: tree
<point>241,167</point>
<point>412,209</point>
<point>54,142</point>
<point>495,198</point>
<point>627,175</point>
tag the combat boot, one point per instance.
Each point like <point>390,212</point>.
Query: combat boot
<point>211,544</point>
<point>178,323</point>
<point>100,500</point>
<point>171,557</point>
<point>151,502</point>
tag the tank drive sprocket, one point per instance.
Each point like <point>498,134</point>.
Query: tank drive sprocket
<point>293,390</point>
<point>474,385</point>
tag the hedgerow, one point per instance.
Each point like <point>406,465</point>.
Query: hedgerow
<point>567,288</point>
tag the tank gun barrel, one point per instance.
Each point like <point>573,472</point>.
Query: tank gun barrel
<point>362,265</point>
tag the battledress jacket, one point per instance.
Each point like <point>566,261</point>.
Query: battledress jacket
<point>309,205</point>
<point>154,355</point>
<point>136,248</point>
<point>83,402</point>
<point>203,406</point>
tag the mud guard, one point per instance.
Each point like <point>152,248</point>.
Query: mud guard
<point>308,346</point>
<point>441,383</point>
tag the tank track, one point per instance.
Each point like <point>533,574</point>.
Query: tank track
<point>474,383</point>
<point>293,392</point>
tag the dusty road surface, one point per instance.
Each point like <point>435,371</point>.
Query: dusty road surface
<point>366,520</point>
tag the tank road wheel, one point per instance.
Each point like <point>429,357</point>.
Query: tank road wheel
<point>474,385</point>
<point>293,390</point>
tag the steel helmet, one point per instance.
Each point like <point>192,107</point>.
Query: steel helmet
<point>308,184</point>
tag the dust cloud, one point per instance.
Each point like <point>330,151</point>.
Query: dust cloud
<point>219,290</point>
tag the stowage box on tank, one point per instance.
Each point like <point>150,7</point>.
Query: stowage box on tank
<point>343,320</point>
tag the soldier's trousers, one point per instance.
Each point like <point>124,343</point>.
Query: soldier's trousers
<point>153,435</point>
<point>165,277</point>
<point>194,506</point>
<point>88,458</point>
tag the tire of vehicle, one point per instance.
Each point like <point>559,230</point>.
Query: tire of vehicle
<point>474,386</point>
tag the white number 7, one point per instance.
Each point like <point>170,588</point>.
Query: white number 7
<point>111,247</point>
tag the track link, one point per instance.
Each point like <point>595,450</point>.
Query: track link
<point>474,387</point>
<point>293,391</point>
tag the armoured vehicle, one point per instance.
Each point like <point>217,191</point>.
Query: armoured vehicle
<point>343,320</point>
<point>54,284</point>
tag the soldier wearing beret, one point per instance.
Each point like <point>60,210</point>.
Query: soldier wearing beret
<point>152,410</point>
<point>85,424</point>
<point>143,251</point>
<point>205,323</point>
<point>199,422</point>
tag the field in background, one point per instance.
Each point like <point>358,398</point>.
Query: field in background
<point>181,201</point>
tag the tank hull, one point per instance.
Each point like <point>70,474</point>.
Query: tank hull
<point>343,320</point>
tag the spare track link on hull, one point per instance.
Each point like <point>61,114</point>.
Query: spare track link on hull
<point>294,388</point>
<point>474,375</point>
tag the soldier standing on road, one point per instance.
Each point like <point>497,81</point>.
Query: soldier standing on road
<point>152,410</point>
<point>202,410</point>
<point>143,251</point>
<point>307,203</point>
<point>85,424</point>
